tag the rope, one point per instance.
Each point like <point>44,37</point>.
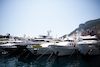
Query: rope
<point>73,51</point>
<point>49,56</point>
<point>27,55</point>
<point>71,54</point>
<point>41,55</point>
<point>13,51</point>
<point>22,53</point>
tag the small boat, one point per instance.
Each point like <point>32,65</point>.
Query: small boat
<point>67,47</point>
<point>89,45</point>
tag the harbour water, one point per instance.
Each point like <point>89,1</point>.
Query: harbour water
<point>64,61</point>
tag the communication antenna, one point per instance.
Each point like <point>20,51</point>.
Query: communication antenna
<point>49,32</point>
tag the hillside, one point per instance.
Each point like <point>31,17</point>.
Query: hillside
<point>88,25</point>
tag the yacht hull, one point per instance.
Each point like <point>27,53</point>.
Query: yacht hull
<point>63,50</point>
<point>86,49</point>
<point>40,51</point>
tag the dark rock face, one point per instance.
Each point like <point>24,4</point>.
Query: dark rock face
<point>91,25</point>
<point>81,25</point>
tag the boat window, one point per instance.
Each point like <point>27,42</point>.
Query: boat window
<point>57,42</point>
<point>41,40</point>
<point>90,44</point>
<point>68,40</point>
<point>37,40</point>
<point>90,39</point>
<point>47,41</point>
<point>4,43</point>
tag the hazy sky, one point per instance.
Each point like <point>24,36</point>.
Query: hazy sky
<point>35,17</point>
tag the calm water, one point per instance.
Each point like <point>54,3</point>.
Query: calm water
<point>65,61</point>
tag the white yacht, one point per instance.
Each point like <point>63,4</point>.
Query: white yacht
<point>89,45</point>
<point>67,47</point>
<point>11,44</point>
<point>42,45</point>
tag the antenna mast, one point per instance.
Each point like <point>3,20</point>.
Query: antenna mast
<point>49,32</point>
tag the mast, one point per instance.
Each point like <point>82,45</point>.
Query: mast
<point>48,32</point>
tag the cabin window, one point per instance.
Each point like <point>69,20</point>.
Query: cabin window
<point>47,41</point>
<point>41,40</point>
<point>69,40</point>
<point>90,39</point>
<point>89,44</point>
<point>57,42</point>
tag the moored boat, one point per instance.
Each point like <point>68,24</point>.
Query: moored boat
<point>89,45</point>
<point>67,47</point>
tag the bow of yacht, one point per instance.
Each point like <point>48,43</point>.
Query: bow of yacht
<point>89,45</point>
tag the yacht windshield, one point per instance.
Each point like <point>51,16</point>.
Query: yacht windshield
<point>90,39</point>
<point>68,40</point>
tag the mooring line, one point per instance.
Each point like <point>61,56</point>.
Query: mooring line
<point>72,53</point>
<point>41,55</point>
<point>22,53</point>
<point>12,51</point>
<point>27,55</point>
<point>49,56</point>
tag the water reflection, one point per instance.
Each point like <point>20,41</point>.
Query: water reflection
<point>54,61</point>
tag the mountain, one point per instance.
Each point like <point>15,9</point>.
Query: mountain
<point>88,25</point>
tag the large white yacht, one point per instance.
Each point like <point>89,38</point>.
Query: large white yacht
<point>67,47</point>
<point>42,45</point>
<point>89,45</point>
<point>10,44</point>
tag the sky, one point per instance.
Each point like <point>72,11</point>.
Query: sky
<point>36,17</point>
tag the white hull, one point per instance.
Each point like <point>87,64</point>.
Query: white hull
<point>89,45</point>
<point>86,49</point>
<point>40,51</point>
<point>63,50</point>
